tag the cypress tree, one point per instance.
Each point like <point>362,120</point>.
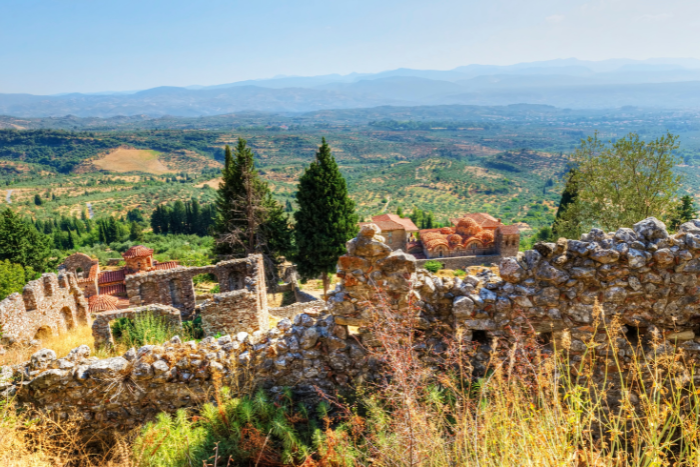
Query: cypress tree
<point>178,218</point>
<point>326,218</point>
<point>565,223</point>
<point>70,243</point>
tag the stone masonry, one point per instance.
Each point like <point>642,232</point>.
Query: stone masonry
<point>174,287</point>
<point>47,306</point>
<point>101,326</point>
<point>644,278</point>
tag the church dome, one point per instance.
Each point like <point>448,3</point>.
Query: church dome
<point>468,227</point>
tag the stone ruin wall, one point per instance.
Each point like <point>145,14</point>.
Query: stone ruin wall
<point>642,277</point>
<point>102,329</point>
<point>49,305</point>
<point>123,392</point>
<point>174,287</point>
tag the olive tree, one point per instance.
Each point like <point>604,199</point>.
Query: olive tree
<point>626,181</point>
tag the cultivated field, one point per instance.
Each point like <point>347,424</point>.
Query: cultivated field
<point>132,160</point>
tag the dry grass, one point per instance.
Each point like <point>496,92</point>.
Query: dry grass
<point>132,160</point>
<point>62,344</point>
<point>213,183</point>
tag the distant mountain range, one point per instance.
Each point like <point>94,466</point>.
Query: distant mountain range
<point>567,83</point>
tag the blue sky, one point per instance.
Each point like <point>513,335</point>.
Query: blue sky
<point>55,46</point>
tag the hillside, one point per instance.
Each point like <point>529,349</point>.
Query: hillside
<point>507,160</point>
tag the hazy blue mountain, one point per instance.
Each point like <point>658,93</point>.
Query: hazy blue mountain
<point>663,83</point>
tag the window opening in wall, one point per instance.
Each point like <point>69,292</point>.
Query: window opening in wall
<point>544,338</point>
<point>43,332</point>
<point>175,292</point>
<point>480,337</point>
<point>68,317</point>
<point>636,335</point>
<point>206,284</point>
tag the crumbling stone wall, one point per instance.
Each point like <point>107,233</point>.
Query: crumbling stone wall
<point>312,307</point>
<point>101,326</point>
<point>47,306</point>
<point>233,312</point>
<point>644,278</point>
<point>174,287</point>
<point>123,392</point>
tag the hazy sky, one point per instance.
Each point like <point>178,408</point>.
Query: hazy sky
<point>53,46</point>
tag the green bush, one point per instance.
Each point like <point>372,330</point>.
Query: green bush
<point>144,329</point>
<point>433,266</point>
<point>251,430</point>
<point>460,273</point>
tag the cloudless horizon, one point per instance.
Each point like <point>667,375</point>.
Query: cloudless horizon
<point>86,46</point>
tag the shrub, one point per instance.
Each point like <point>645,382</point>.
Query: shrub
<point>459,273</point>
<point>144,329</point>
<point>259,430</point>
<point>433,266</point>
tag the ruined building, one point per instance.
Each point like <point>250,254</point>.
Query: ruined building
<point>397,231</point>
<point>96,283</point>
<point>47,306</point>
<point>478,236</point>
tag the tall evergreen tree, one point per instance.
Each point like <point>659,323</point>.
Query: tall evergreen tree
<point>21,243</point>
<point>178,218</point>
<point>683,212</point>
<point>566,223</point>
<point>135,232</point>
<point>326,218</point>
<point>249,220</point>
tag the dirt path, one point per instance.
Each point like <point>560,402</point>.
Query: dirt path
<point>8,198</point>
<point>90,212</point>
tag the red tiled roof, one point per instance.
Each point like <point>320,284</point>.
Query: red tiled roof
<point>111,276</point>
<point>137,251</point>
<point>115,289</point>
<point>165,265</point>
<point>510,230</point>
<point>403,223</point>
<point>484,219</point>
<point>91,275</point>
<point>98,303</point>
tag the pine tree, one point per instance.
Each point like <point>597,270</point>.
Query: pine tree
<point>683,212</point>
<point>12,278</point>
<point>135,232</point>
<point>21,243</point>
<point>326,218</point>
<point>249,220</point>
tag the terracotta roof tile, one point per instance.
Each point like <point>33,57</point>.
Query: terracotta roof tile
<point>111,276</point>
<point>115,289</point>
<point>406,223</point>
<point>165,265</point>
<point>98,303</point>
<point>137,251</point>
<point>510,230</point>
